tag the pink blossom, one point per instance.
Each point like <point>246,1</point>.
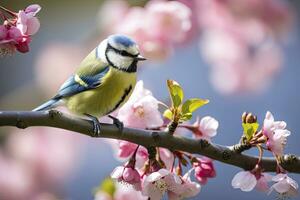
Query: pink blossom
<point>241,69</point>
<point>168,20</point>
<point>128,175</point>
<point>14,34</point>
<point>124,150</point>
<point>248,32</point>
<point>27,22</point>
<point>270,125</point>
<point>3,32</point>
<point>15,40</point>
<point>204,169</point>
<point>277,141</point>
<point>247,181</point>
<point>124,192</point>
<point>16,31</point>
<point>262,182</point>
<point>141,110</point>
<point>276,134</point>
<point>285,185</point>
<point>164,25</point>
<point>107,19</point>
<point>206,127</point>
<point>32,10</point>
<point>188,188</point>
<point>167,157</point>
<point>244,180</point>
<point>151,47</point>
<point>158,183</point>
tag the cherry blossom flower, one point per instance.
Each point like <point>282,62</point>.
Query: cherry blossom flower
<point>204,169</point>
<point>122,192</point>
<point>127,174</point>
<point>249,31</point>
<point>156,184</point>
<point>16,32</point>
<point>108,20</point>
<point>167,157</point>
<point>141,110</point>
<point>189,188</point>
<point>270,125</point>
<point>27,23</point>
<point>125,150</point>
<point>284,185</point>
<point>168,20</point>
<point>262,181</point>
<point>164,24</point>
<point>276,134</point>
<point>126,193</point>
<point>244,180</point>
<point>206,128</point>
<point>3,32</point>
<point>247,181</point>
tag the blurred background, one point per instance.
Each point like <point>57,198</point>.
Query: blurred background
<point>242,55</point>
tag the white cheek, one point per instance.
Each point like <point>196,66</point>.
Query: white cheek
<point>119,61</point>
<point>101,50</point>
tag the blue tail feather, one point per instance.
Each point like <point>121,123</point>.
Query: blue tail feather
<point>47,105</point>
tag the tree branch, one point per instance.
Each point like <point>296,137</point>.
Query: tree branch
<point>225,154</point>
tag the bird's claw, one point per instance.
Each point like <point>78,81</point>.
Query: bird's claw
<point>117,122</point>
<point>96,125</point>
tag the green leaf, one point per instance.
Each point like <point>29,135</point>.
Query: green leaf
<point>193,104</point>
<point>176,93</point>
<point>186,117</point>
<point>168,114</point>
<point>250,129</point>
<point>108,186</point>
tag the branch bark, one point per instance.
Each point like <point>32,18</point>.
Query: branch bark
<point>225,154</point>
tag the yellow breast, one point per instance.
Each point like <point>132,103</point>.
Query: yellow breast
<point>114,90</point>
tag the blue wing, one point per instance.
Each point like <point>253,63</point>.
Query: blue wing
<point>88,76</point>
<point>79,83</point>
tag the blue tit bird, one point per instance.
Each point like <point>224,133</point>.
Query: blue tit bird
<point>103,81</point>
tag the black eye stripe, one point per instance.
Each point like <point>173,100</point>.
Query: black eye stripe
<point>121,52</point>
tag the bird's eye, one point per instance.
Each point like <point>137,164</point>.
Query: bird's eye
<point>124,53</point>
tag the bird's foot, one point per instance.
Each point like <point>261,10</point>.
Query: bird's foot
<point>96,125</point>
<point>117,122</point>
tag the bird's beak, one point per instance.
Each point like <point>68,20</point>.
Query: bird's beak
<point>140,58</point>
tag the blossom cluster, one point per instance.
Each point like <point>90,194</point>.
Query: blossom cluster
<point>274,136</point>
<point>157,27</point>
<point>154,172</point>
<point>17,29</point>
<point>240,40</point>
<point>159,171</point>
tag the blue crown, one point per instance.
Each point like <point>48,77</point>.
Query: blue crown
<point>121,39</point>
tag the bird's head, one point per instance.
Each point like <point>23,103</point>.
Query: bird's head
<point>120,51</point>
